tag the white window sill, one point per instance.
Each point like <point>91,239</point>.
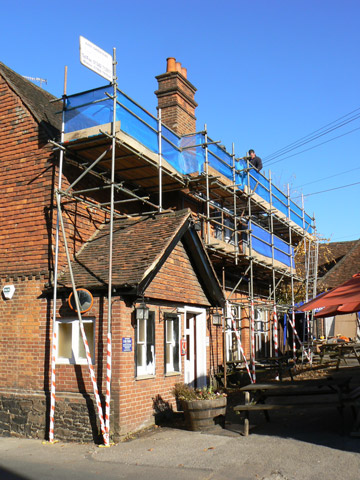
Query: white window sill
<point>172,374</point>
<point>145,377</point>
<point>66,361</point>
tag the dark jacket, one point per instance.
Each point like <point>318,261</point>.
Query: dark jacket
<point>257,163</point>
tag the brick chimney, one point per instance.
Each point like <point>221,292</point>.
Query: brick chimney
<point>176,98</point>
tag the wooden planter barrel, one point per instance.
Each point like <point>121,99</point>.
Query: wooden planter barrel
<point>204,414</point>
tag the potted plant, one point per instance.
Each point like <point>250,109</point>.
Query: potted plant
<point>203,407</point>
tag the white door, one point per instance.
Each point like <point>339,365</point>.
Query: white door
<point>195,337</point>
<point>189,327</point>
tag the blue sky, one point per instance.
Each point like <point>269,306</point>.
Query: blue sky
<point>268,72</point>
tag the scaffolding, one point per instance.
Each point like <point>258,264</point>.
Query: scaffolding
<point>251,229</point>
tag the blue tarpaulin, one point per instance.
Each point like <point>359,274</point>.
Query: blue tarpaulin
<point>261,243</point>
<point>185,154</point>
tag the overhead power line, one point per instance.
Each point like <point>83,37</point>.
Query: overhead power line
<point>328,190</point>
<point>314,146</point>
<point>326,178</point>
<point>313,136</point>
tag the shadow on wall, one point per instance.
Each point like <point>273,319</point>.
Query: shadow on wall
<point>165,416</point>
<point>97,437</point>
<point>163,411</point>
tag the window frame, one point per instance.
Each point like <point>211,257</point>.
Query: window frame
<point>172,345</point>
<point>76,358</point>
<point>233,351</point>
<point>148,365</point>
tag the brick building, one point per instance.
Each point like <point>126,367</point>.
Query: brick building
<point>187,228</point>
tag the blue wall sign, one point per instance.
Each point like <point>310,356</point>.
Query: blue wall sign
<point>127,344</point>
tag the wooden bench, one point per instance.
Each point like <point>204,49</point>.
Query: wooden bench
<point>327,392</point>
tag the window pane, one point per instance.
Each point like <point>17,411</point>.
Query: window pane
<point>150,329</point>
<point>176,357</point>
<point>65,339</point>
<point>176,330</point>
<point>141,330</point>
<point>176,349</point>
<point>140,355</point>
<point>168,353</point>
<point>89,332</point>
<point>169,331</point>
<point>150,344</point>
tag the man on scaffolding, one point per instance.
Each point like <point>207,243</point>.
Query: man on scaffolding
<point>255,161</point>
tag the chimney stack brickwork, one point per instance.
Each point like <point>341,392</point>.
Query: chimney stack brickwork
<point>176,99</point>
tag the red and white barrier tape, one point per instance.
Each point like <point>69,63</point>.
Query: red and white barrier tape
<point>276,343</point>
<point>292,323</point>
<point>308,334</point>
<point>253,342</point>
<point>108,386</point>
<point>52,389</point>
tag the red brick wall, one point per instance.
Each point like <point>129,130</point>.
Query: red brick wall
<point>23,336</point>
<point>177,281</point>
<point>25,178</point>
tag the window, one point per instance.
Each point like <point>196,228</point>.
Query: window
<point>145,345</point>
<point>261,332</point>
<point>172,342</point>
<point>70,345</point>
<point>233,332</point>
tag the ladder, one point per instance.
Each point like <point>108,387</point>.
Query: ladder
<point>311,274</point>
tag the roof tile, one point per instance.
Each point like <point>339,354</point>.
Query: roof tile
<point>138,244</point>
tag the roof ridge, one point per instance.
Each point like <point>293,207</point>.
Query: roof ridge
<point>186,212</point>
<point>340,262</point>
<point>36,99</point>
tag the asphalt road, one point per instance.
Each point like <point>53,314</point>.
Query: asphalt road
<point>293,446</point>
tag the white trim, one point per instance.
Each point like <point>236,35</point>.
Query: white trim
<point>169,367</point>
<point>201,372</point>
<point>145,369</point>
<point>75,358</point>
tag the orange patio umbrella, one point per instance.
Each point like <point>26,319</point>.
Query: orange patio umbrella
<point>338,310</point>
<point>342,299</point>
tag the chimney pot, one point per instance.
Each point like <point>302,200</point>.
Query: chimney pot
<point>176,99</point>
<point>171,64</point>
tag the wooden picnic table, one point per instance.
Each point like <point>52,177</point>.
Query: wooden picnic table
<point>280,365</point>
<point>257,394</point>
<point>340,351</point>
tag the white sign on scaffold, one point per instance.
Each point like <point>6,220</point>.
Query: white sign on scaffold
<point>96,59</point>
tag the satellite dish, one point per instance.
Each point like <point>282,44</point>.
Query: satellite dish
<point>86,300</point>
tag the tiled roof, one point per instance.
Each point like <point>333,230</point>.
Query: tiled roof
<point>139,244</point>
<point>334,250</point>
<point>346,256</point>
<point>36,99</point>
